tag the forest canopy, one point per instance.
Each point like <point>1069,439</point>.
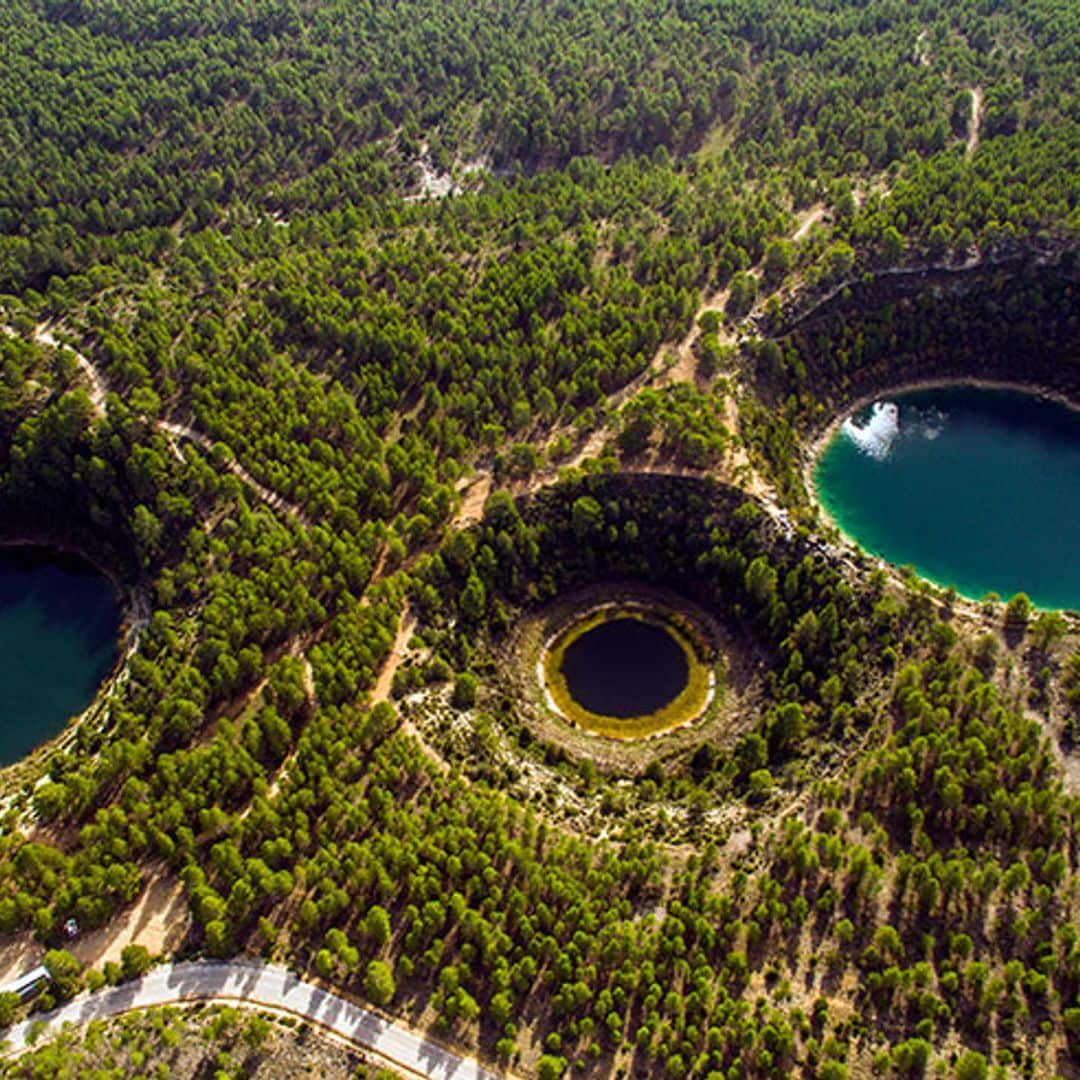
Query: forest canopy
<point>347,335</point>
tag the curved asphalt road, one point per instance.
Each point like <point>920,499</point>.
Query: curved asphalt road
<point>259,985</point>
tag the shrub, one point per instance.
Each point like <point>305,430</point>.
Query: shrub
<point>464,695</point>
<point>379,985</point>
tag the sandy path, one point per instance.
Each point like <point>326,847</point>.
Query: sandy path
<point>309,683</point>
<point>44,336</point>
<point>667,367</point>
<point>808,219</point>
<point>975,122</point>
<point>685,362</point>
<point>98,391</point>
<point>383,684</point>
<point>271,498</point>
<point>666,370</point>
<point>922,49</point>
<point>159,919</point>
<point>476,489</point>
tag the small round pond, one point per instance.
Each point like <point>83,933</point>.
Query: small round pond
<point>976,488</point>
<point>59,621</point>
<point>625,673</point>
<point>625,667</point>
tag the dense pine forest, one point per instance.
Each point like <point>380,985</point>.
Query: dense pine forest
<point>350,337</point>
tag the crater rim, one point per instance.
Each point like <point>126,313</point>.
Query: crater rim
<point>688,706</point>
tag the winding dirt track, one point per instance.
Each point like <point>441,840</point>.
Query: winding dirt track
<point>271,498</point>
<point>267,987</point>
<point>44,335</point>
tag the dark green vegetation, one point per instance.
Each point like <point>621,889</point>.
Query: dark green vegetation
<point>980,489</point>
<point>58,627</point>
<point>295,372</point>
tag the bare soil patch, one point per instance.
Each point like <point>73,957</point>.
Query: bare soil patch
<point>808,219</point>
<point>385,681</point>
<point>159,919</point>
<point>475,494</point>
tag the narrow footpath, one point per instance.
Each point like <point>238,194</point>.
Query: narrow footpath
<point>975,121</point>
<point>259,986</point>
<point>43,335</point>
<point>271,498</point>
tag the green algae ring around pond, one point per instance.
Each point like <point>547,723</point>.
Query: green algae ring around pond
<point>976,488</point>
<point>59,621</point>
<point>625,674</point>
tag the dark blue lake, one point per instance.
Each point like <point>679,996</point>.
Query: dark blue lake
<point>59,621</point>
<point>625,667</point>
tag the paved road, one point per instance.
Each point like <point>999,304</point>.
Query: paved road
<point>262,985</point>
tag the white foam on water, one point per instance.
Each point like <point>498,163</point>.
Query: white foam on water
<point>875,437</point>
<point>928,424</point>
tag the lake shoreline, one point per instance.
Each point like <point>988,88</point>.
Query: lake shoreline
<point>66,549</point>
<point>131,597</point>
<point>659,614</point>
<point>815,447</point>
<point>132,605</point>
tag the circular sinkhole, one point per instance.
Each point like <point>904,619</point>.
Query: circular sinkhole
<point>626,672</point>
